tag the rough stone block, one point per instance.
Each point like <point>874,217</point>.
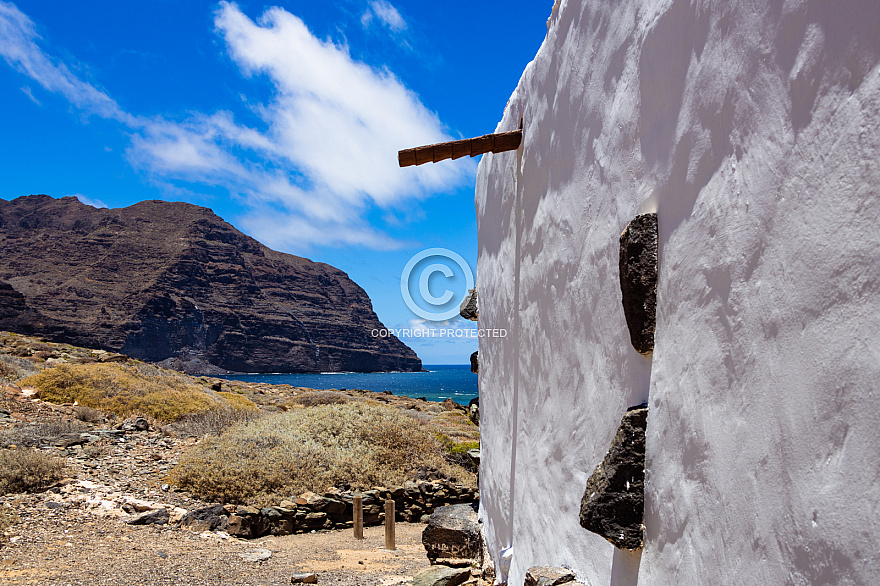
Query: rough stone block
<point>614,500</point>
<point>548,576</point>
<point>638,280</point>
<point>441,576</point>
<point>469,308</point>
<point>453,532</point>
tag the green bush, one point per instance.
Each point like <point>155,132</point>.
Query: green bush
<point>282,455</point>
<point>28,470</point>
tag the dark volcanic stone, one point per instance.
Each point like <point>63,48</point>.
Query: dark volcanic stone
<point>205,519</point>
<point>475,362</point>
<point>638,280</point>
<point>154,517</point>
<point>173,283</point>
<point>469,308</point>
<point>614,501</point>
<point>453,532</point>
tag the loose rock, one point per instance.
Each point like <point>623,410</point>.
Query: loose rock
<point>548,576</point>
<point>453,532</point>
<point>304,579</point>
<point>154,517</point>
<point>441,576</point>
<point>256,555</point>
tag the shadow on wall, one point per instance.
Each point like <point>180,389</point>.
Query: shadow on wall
<point>625,567</point>
<point>818,43</point>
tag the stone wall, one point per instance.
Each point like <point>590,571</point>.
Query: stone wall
<point>332,510</point>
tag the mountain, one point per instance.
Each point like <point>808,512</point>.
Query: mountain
<point>173,283</point>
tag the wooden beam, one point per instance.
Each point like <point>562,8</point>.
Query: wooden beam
<point>488,143</point>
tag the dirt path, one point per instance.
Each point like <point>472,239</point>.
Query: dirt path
<point>105,551</point>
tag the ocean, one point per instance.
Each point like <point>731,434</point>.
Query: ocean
<point>440,382</point>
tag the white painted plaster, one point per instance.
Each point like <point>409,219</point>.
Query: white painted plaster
<point>753,129</point>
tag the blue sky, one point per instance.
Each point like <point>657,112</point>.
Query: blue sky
<point>285,118</point>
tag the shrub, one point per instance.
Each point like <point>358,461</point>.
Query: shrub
<point>13,368</point>
<point>282,455</point>
<point>457,452</point>
<point>28,470</point>
<point>126,389</point>
<point>212,422</point>
<point>238,402</point>
<point>88,414</point>
<point>31,434</point>
<point>315,398</point>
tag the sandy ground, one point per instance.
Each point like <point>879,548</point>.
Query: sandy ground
<point>108,552</point>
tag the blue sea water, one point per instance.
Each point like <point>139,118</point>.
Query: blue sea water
<point>440,382</point>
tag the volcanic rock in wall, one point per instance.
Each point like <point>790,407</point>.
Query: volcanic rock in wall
<point>614,501</point>
<point>173,283</point>
<point>638,280</point>
<point>469,308</point>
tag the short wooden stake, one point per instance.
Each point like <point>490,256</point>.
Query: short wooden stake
<point>389,525</point>
<point>358,517</point>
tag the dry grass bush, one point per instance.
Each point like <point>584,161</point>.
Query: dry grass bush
<point>28,470</point>
<point>287,454</point>
<point>315,398</point>
<point>212,422</point>
<point>13,368</point>
<point>33,434</point>
<point>127,389</point>
<point>88,414</point>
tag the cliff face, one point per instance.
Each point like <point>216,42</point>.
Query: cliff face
<point>173,282</point>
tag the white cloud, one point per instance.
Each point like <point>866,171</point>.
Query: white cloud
<point>385,12</point>
<point>95,203</point>
<point>27,91</point>
<point>19,49</point>
<point>334,126</point>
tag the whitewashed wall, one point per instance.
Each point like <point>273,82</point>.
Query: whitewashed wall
<point>753,129</point>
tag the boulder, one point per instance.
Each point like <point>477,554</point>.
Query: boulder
<point>154,517</point>
<point>239,526</point>
<point>304,579</point>
<point>614,501</point>
<point>638,280</point>
<point>453,532</point>
<point>134,424</point>
<point>441,576</point>
<point>548,576</point>
<point>205,519</point>
<point>475,362</point>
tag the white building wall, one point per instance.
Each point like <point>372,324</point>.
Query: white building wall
<point>753,129</point>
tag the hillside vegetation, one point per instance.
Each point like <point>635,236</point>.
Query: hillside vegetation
<point>357,444</point>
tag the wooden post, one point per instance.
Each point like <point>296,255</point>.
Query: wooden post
<point>389,525</point>
<point>358,517</point>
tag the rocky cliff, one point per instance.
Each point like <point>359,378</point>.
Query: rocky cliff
<point>174,283</point>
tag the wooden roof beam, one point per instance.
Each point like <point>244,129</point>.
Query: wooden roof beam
<point>433,153</point>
